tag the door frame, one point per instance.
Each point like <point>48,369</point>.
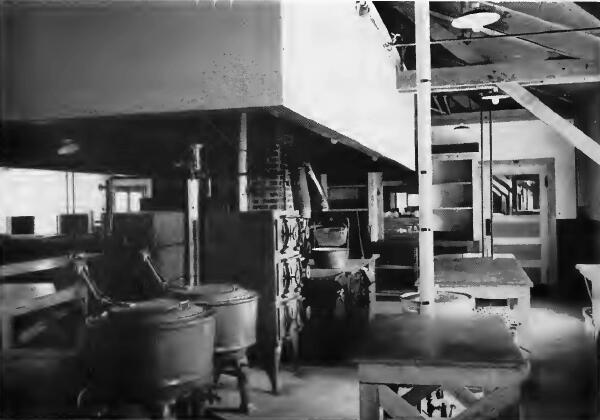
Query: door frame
<point>545,169</point>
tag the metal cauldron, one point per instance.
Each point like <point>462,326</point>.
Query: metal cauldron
<point>235,311</point>
<point>147,351</point>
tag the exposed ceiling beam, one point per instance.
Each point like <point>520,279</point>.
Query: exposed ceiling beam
<point>563,12</point>
<point>501,115</point>
<point>563,127</point>
<point>463,101</point>
<point>577,44</point>
<point>582,16</point>
<point>517,39</point>
<point>501,183</point>
<point>549,72</point>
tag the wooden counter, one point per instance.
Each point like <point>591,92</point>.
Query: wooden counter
<point>453,353</point>
<point>485,278</point>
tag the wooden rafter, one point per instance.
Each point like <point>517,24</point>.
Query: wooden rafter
<point>500,115</point>
<point>567,130</point>
<point>485,76</point>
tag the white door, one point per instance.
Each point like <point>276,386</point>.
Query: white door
<point>519,209</point>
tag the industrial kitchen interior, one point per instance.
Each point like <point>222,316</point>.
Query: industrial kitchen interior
<point>290,209</point>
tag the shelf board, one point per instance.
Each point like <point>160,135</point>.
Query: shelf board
<point>453,208</point>
<point>447,242</point>
<point>348,186</point>
<point>357,209</point>
<point>454,183</point>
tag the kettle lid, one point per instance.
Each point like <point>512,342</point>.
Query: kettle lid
<point>215,294</point>
<point>156,311</point>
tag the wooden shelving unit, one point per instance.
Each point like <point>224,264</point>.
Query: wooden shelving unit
<point>456,210</point>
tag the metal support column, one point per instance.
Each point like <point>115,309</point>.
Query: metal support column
<point>426,278</point>
<point>243,164</point>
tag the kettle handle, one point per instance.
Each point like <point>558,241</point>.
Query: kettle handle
<point>158,279</point>
<point>83,271</point>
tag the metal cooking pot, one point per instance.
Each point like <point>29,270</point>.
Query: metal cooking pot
<point>330,257</point>
<point>145,350</point>
<point>235,311</point>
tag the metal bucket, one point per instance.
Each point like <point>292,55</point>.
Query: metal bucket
<point>331,236</point>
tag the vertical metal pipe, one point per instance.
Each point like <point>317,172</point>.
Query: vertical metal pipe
<point>194,215</point>
<point>482,245</point>
<point>73,191</point>
<point>243,164</point>
<point>491,193</point>
<point>426,277</point>
<point>67,191</point>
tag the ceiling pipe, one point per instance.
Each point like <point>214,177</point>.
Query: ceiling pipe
<point>423,55</point>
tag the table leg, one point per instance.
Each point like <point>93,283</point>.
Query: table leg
<point>372,289</point>
<point>523,308</point>
<point>369,402</point>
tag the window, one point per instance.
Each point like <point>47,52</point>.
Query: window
<point>128,194</point>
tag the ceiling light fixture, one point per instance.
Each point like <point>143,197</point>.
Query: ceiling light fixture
<point>462,127</point>
<point>475,19</point>
<point>495,98</point>
<point>68,147</point>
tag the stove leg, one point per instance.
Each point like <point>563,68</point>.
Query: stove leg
<point>273,368</point>
<point>242,373</point>
<point>294,341</point>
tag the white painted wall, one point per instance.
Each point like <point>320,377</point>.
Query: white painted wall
<point>87,58</point>
<point>337,72</point>
<point>525,140</point>
<point>42,194</point>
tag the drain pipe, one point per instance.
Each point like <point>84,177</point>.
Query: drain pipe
<point>426,269</point>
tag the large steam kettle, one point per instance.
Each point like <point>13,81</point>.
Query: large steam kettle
<point>235,309</point>
<point>147,350</point>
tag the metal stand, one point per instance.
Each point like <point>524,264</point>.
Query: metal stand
<point>234,363</point>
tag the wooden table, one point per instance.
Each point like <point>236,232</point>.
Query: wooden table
<point>499,278</point>
<point>352,266</point>
<point>9,311</point>
<point>451,353</point>
<point>41,264</point>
